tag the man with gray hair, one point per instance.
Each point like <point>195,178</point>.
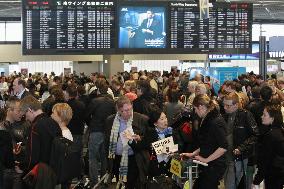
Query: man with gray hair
<point>201,89</point>
<point>122,130</point>
<point>191,89</point>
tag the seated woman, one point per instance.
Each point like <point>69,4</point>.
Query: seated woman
<point>62,114</point>
<point>271,150</point>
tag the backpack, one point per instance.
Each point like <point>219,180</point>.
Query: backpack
<point>65,159</point>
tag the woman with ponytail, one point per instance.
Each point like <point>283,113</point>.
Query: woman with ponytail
<point>211,142</point>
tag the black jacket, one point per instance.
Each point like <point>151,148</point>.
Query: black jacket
<point>256,107</point>
<point>48,104</point>
<point>99,109</point>
<point>18,131</point>
<point>76,124</point>
<point>271,157</point>
<point>143,104</point>
<point>6,150</point>
<point>41,135</point>
<point>245,132</point>
<point>155,168</point>
<point>211,136</point>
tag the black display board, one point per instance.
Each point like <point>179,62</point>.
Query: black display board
<point>121,27</point>
<point>68,27</point>
<point>228,29</point>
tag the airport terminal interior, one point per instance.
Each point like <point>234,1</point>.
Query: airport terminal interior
<point>141,94</point>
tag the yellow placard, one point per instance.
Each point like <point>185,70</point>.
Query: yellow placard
<point>176,167</point>
<point>186,185</point>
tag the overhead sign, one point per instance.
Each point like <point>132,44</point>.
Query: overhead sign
<point>204,9</point>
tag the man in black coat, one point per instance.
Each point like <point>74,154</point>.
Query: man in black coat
<point>117,126</point>
<point>242,133</point>
<point>99,109</point>
<point>41,133</point>
<point>77,123</point>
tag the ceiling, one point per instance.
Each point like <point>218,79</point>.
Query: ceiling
<point>265,11</point>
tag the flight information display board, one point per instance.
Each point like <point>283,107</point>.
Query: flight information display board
<point>56,26</point>
<point>136,27</point>
<point>228,28</point>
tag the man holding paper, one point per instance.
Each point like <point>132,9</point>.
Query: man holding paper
<point>126,162</point>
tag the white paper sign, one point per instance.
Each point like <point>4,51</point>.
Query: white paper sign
<point>128,132</point>
<point>170,148</point>
<point>166,143</point>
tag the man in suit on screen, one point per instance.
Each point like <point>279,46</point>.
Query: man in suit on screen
<point>151,28</point>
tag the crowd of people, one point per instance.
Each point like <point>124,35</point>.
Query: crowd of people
<point>238,130</point>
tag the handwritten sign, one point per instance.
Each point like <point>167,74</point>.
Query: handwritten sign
<point>176,167</point>
<point>162,144</point>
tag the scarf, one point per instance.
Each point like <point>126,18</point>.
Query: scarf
<point>123,169</point>
<point>167,131</point>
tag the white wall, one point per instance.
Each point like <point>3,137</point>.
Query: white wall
<point>13,53</point>
<point>151,65</point>
<point>86,68</point>
<point>268,30</point>
<point>46,66</point>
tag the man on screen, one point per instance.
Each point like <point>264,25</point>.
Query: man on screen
<point>151,28</point>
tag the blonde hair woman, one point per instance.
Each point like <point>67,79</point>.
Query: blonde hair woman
<point>62,114</point>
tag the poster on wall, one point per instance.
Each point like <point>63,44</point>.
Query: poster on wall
<point>220,75</point>
<point>67,71</point>
<point>24,71</point>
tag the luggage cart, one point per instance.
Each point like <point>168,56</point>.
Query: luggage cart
<point>185,171</point>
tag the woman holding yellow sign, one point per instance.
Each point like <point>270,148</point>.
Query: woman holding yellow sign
<point>211,142</point>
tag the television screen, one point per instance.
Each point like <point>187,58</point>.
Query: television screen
<point>142,27</point>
